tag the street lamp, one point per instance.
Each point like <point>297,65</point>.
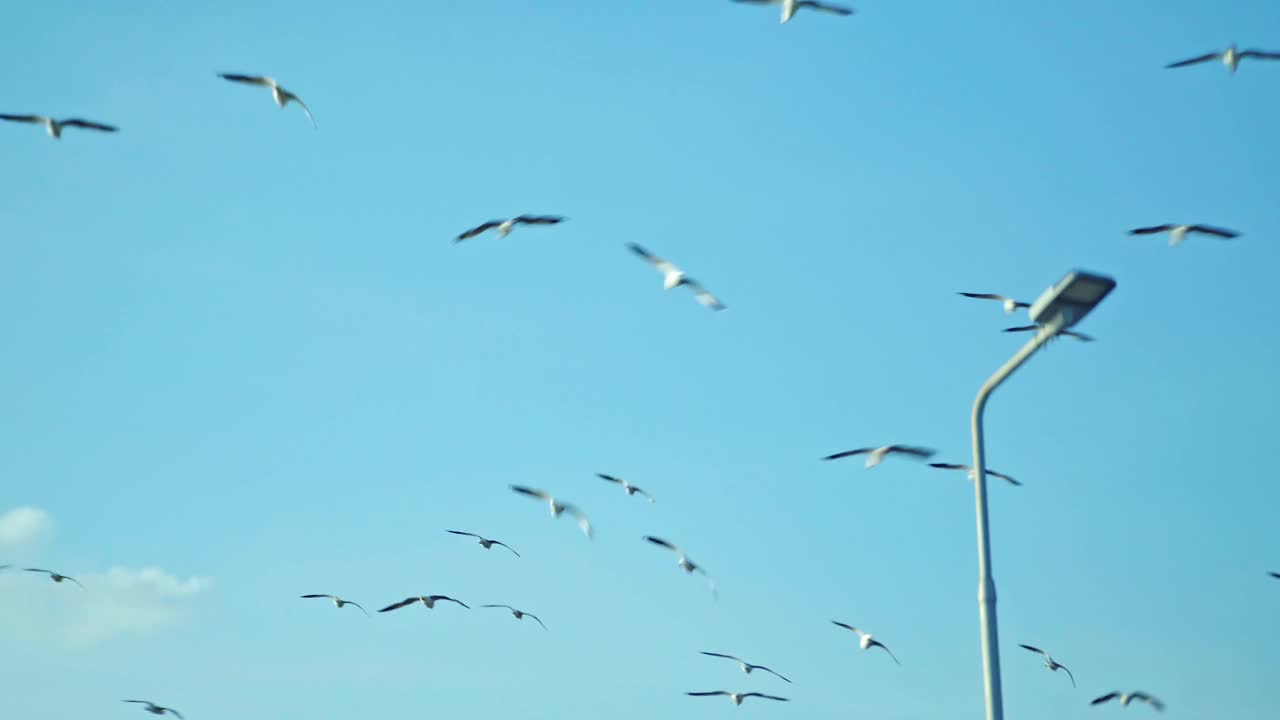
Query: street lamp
<point>1060,307</point>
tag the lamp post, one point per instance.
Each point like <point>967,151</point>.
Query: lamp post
<point>1057,309</point>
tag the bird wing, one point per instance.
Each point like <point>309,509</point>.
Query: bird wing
<point>403,603</point>
<point>1021,328</point>
<point>1105,698</point>
<point>317,596</point>
<point>756,2</point>
<point>495,542</point>
<point>459,532</point>
<point>848,627</point>
<point>721,655</point>
<point>1077,335</point>
<point>46,572</point>
<point>762,695</point>
<point>1034,649</point>
<point>1152,230</point>
<point>531,492</point>
<point>949,466</point>
<point>535,617</point>
<point>1006,478</point>
<point>642,491</point>
<point>539,219</point>
<point>702,295</point>
<point>140,702</point>
<point>24,118</point>
<point>848,453</point>
<point>290,96</point>
<point>584,522</point>
<point>77,122</point>
<point>248,79</point>
<point>833,9</point>
<point>1260,54</point>
<point>508,607</point>
<point>882,646</point>
<point>771,672</point>
<point>708,694</point>
<point>477,230</point>
<point>1192,61</point>
<point>662,265</point>
<point>77,582</point>
<point>1073,677</point>
<point>662,543</point>
<point>610,478</point>
<point>1210,230</point>
<point>348,602</point>
<point>172,712</point>
<point>909,450</point>
<point>1148,699</point>
<point>985,296</point>
<point>1275,575</point>
<point>438,598</point>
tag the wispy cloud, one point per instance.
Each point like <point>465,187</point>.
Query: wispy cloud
<point>24,526</point>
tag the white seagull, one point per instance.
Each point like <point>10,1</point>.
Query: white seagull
<point>969,470</point>
<point>56,577</point>
<point>519,614</point>
<point>485,542</point>
<point>1178,233</point>
<point>1230,57</point>
<point>557,507</point>
<point>683,560</point>
<point>280,95</point>
<point>1069,333</point>
<point>338,602</point>
<point>865,640</point>
<point>673,277</point>
<point>746,666</point>
<point>429,601</point>
<point>1050,663</point>
<point>1009,303</point>
<point>876,455</point>
<point>626,486</point>
<point>54,127</point>
<point>737,698</point>
<point>789,7</point>
<point>505,226</point>
<point>155,709</point>
<point>1126,698</point>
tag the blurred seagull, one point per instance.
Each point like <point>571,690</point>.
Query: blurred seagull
<point>519,614</point>
<point>338,602</point>
<point>746,666</point>
<point>866,641</point>
<point>673,276</point>
<point>279,94</point>
<point>1177,233</point>
<point>683,560</point>
<point>55,576</point>
<point>1069,333</point>
<point>54,127</point>
<point>428,600</point>
<point>485,542</point>
<point>1126,698</point>
<point>1230,57</point>
<point>1009,304</point>
<point>1275,575</point>
<point>789,7</point>
<point>876,455</point>
<point>557,507</point>
<point>1050,663</point>
<point>626,486</point>
<point>155,709</point>
<point>505,226</point>
<point>737,698</point>
<point>969,470</point>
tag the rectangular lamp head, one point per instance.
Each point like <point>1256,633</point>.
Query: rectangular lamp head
<point>1072,298</point>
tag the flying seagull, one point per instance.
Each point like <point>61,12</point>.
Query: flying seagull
<point>789,7</point>
<point>969,470</point>
<point>746,666</point>
<point>519,614</point>
<point>1177,233</point>
<point>865,640</point>
<point>55,576</point>
<point>338,602</point>
<point>1230,57</point>
<point>485,542</point>
<point>1050,663</point>
<point>876,455</point>
<point>279,94</point>
<point>1275,575</point>
<point>1009,303</point>
<point>673,276</point>
<point>54,127</point>
<point>557,507</point>
<point>683,560</point>
<point>505,226</point>
<point>428,600</point>
<point>1126,698</point>
<point>626,486</point>
<point>155,709</point>
<point>737,698</point>
<point>1069,333</point>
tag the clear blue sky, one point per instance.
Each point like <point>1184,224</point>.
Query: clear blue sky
<point>247,355</point>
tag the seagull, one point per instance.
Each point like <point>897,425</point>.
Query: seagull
<point>673,276</point>
<point>1009,303</point>
<point>505,226</point>
<point>626,486</point>
<point>968,469</point>
<point>279,94</point>
<point>519,614</point>
<point>866,641</point>
<point>557,507</point>
<point>789,7</point>
<point>1177,233</point>
<point>1275,575</point>
<point>1069,333</point>
<point>737,698</point>
<point>55,576</point>
<point>485,542</point>
<point>876,455</point>
<point>683,560</point>
<point>1230,57</point>
<point>427,600</point>
<point>1126,698</point>
<point>155,709</point>
<point>746,666</point>
<point>1050,663</point>
<point>54,127</point>
<point>339,602</point>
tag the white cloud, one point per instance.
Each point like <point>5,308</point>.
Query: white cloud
<point>24,525</point>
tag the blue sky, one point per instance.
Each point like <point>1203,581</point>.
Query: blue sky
<point>244,361</point>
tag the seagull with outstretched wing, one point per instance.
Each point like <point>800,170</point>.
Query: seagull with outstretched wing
<point>1230,57</point>
<point>1178,233</point>
<point>485,542</point>
<point>56,577</point>
<point>865,640</point>
<point>682,560</point>
<point>737,698</point>
<point>627,487</point>
<point>746,666</point>
<point>280,95</point>
<point>428,601</point>
<point>1126,698</point>
<point>519,614</point>
<point>1069,333</point>
<point>337,601</point>
<point>504,227</point>
<point>1050,663</point>
<point>875,455</point>
<point>790,7</point>
<point>54,127</point>
<point>1008,303</point>
<point>673,277</point>
<point>557,507</point>
<point>968,469</point>
<point>155,709</point>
